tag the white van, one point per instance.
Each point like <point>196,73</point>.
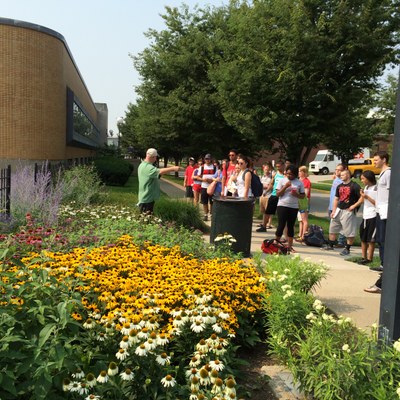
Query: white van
<point>324,163</point>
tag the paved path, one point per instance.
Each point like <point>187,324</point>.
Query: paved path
<point>342,290</point>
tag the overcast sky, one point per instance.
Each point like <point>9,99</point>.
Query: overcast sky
<point>100,35</point>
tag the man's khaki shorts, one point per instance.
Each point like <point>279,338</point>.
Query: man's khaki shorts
<point>345,222</point>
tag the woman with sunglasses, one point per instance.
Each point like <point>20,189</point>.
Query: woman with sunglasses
<point>289,190</point>
<point>243,180</point>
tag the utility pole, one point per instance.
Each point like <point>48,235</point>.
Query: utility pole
<point>389,318</point>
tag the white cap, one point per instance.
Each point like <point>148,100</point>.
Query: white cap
<point>152,152</point>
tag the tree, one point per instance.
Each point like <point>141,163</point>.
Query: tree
<point>298,72</point>
<point>178,110</point>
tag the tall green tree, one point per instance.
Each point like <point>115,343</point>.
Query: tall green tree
<point>297,73</point>
<point>177,108</point>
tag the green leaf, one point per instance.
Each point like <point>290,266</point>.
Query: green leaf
<point>7,383</point>
<point>45,333</point>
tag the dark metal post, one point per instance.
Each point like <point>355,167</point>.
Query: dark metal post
<point>8,190</point>
<point>389,319</point>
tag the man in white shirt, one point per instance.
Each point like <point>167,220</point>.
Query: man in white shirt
<point>381,160</point>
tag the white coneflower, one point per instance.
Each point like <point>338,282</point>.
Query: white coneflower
<point>127,375</point>
<point>198,326</point>
<point>126,328</point>
<point>89,324</point>
<point>213,340</point>
<point>217,328</point>
<point>192,372</point>
<point>178,321</point>
<point>230,387</point>
<point>141,350</point>
<point>162,339</point>
<point>124,343</point>
<point>152,324</point>
<point>122,354</point>
<point>103,377</point>
<point>144,333</point>
<point>101,336</point>
<point>223,315</point>
<point>175,332</point>
<point>150,344</point>
<point>163,359</point>
<point>112,369</point>
<point>83,389</point>
<point>202,346</point>
<point>204,377</point>
<point>66,386</point>
<point>176,312</point>
<point>217,365</point>
<point>195,384</point>
<point>92,397</point>
<point>213,375</point>
<point>74,386</point>
<point>219,350</point>
<point>168,381</point>
<point>91,380</point>
<point>195,361</point>
<point>133,336</point>
<point>78,374</point>
<point>218,387</point>
<point>396,345</point>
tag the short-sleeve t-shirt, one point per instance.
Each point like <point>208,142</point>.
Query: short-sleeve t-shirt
<point>348,194</point>
<point>369,210</point>
<point>287,199</point>
<point>382,198</point>
<point>149,185</point>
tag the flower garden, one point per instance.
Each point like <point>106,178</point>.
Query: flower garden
<point>109,304</point>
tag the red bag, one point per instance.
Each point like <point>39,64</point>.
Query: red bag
<point>272,246</point>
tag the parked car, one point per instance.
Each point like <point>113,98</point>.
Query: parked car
<point>367,165</point>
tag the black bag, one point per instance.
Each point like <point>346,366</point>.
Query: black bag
<point>315,236</point>
<point>256,185</point>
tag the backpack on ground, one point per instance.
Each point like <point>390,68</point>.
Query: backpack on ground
<point>256,185</point>
<point>315,236</point>
<point>272,246</point>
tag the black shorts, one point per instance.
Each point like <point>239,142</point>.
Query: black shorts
<point>272,204</point>
<point>205,197</point>
<point>368,230</point>
<point>189,192</point>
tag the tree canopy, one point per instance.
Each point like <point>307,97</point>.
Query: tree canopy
<point>282,75</point>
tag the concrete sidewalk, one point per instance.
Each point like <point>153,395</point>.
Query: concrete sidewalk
<point>341,291</point>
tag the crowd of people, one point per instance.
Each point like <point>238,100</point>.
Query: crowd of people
<point>286,194</point>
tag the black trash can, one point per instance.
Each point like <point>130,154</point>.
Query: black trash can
<point>233,215</point>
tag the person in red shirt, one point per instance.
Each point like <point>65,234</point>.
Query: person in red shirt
<point>227,172</point>
<point>188,179</point>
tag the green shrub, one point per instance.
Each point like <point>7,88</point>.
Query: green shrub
<point>179,212</point>
<point>82,185</point>
<point>113,171</point>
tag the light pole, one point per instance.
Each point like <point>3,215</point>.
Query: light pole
<point>120,121</point>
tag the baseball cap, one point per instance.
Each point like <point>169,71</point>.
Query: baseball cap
<point>191,159</point>
<point>152,152</point>
<point>207,156</point>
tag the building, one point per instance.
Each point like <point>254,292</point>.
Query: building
<point>46,111</point>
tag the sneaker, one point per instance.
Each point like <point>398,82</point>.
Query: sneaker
<point>327,247</point>
<point>373,289</point>
<point>345,252</point>
<point>364,261</point>
<point>377,269</point>
<point>261,229</point>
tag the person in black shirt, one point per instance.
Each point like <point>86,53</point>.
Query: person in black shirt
<point>343,216</point>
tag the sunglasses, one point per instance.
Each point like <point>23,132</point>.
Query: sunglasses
<point>232,155</point>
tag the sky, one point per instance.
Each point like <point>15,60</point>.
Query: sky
<point>100,35</point>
